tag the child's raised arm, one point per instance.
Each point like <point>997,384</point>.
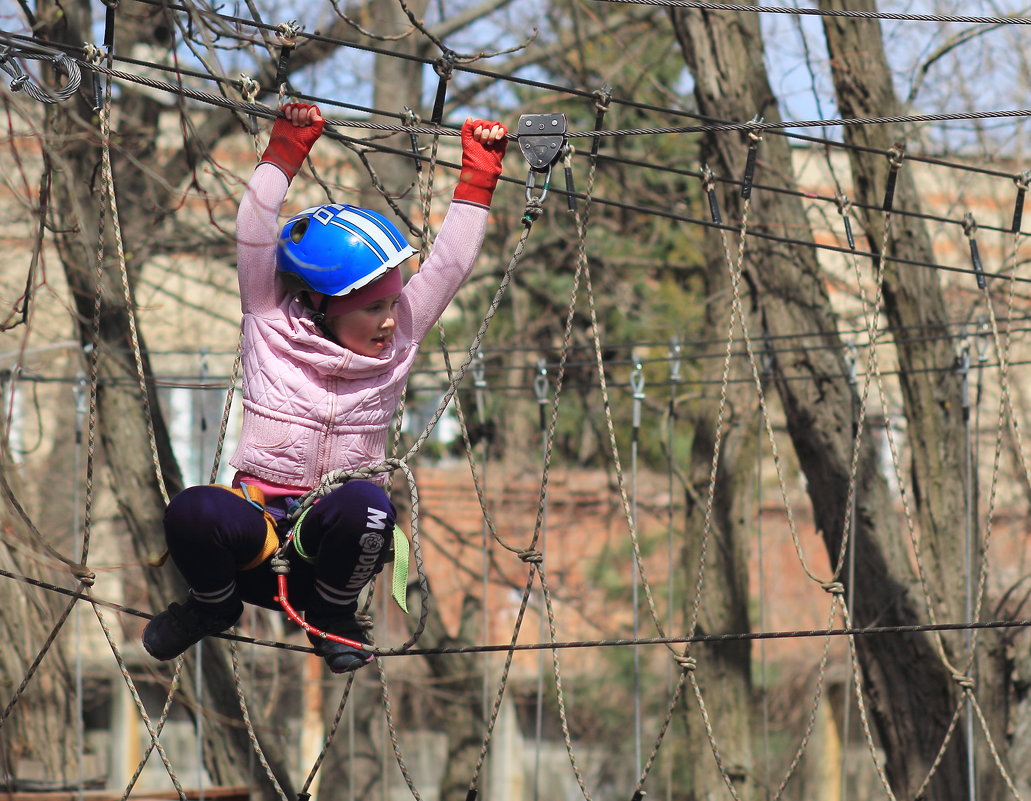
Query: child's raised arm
<point>257,221</point>
<point>461,234</point>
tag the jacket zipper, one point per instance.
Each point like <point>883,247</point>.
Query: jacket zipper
<point>324,449</point>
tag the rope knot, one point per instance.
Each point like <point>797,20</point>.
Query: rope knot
<point>833,587</point>
<point>531,556</point>
<point>363,619</point>
<point>85,576</point>
<point>602,98</point>
<point>1022,179</point>
<point>534,209</point>
<point>963,680</point>
<point>687,663</point>
<point>280,566</point>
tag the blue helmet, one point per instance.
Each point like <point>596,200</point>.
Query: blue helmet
<point>335,249</point>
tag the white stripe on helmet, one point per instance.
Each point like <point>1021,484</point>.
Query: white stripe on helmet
<point>372,232</point>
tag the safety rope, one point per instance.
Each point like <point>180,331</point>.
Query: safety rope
<point>48,49</point>
<point>426,195</point>
<point>30,672</point>
<point>870,313</point>
<point>727,127</point>
<point>86,576</point>
<point>962,676</point>
<point>107,177</point>
<point>874,374</point>
<point>814,706</point>
<point>1006,407</point>
<point>395,742</point>
<point>530,555</point>
<point>328,740</point>
<point>23,81</point>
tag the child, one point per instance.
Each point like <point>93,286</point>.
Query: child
<point>330,335</point>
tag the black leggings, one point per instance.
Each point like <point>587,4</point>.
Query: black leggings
<point>212,534</point>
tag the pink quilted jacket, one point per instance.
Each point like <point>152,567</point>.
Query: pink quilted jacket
<point>311,406</point>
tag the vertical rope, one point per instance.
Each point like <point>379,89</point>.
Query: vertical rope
<point>761,552</point>
<point>134,337</point>
<point>226,409</point>
<point>637,392</point>
<point>540,386</point>
<point>674,382</point>
<point>850,582</point>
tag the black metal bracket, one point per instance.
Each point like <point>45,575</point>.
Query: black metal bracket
<point>542,139</point>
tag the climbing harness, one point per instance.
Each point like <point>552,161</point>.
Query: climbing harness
<point>398,555</point>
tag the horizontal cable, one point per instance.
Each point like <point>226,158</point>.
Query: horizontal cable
<point>220,383</point>
<point>832,12</point>
<point>696,639</point>
<point>711,122</point>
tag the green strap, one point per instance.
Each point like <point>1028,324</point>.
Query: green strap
<point>297,537</point>
<point>399,578</point>
<point>399,582</point>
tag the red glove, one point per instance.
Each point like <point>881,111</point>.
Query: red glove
<point>481,164</point>
<point>289,143</point>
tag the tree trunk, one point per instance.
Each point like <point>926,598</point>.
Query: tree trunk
<point>36,740</point>
<point>458,676</point>
<point>914,302</point>
<point>909,692</point>
<point>724,672</point>
<point>79,192</point>
<point>397,81</point>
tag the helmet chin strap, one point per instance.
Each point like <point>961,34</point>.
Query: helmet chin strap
<point>318,316</point>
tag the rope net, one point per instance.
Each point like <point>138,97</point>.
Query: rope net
<point>529,553</point>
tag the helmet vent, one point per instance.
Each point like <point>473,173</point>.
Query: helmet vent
<point>299,229</point>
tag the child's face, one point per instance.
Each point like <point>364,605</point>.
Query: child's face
<point>366,331</point>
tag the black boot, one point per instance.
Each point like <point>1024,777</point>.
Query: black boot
<point>341,658</point>
<point>182,625</point>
